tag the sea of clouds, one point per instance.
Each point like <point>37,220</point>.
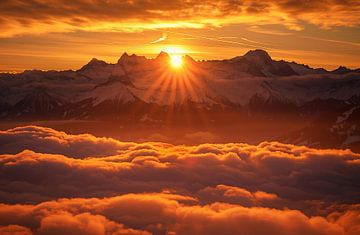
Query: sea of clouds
<point>53,183</point>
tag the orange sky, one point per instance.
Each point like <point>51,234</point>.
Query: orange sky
<point>65,35</point>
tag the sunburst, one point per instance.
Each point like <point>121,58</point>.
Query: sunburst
<point>176,61</point>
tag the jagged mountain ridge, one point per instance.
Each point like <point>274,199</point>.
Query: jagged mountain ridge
<point>235,82</point>
<point>246,87</point>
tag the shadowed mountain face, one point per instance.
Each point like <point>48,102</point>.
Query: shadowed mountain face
<point>247,98</point>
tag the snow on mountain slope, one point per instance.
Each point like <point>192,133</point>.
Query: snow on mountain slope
<point>38,101</point>
<point>116,92</point>
<point>228,82</point>
<point>250,90</point>
<point>260,60</point>
<point>164,88</point>
<point>335,129</point>
<point>99,71</point>
<point>302,69</point>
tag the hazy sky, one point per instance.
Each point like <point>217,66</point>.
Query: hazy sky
<point>39,34</point>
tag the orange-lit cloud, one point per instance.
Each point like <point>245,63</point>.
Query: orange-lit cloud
<point>204,189</point>
<point>162,38</point>
<point>39,16</point>
<point>47,140</point>
<point>271,174</point>
<point>15,230</point>
<point>166,214</point>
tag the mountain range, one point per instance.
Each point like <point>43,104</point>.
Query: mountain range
<point>279,100</point>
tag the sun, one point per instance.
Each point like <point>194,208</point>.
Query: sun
<point>176,61</point>
<point>176,56</point>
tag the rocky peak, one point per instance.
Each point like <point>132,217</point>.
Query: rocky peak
<point>163,56</point>
<point>258,55</point>
<point>130,59</point>
<point>94,63</point>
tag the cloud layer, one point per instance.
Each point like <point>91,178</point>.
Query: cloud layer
<point>165,214</point>
<point>81,184</point>
<point>37,16</point>
<point>47,140</point>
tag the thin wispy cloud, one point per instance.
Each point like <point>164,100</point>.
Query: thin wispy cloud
<point>333,41</point>
<point>252,41</point>
<point>162,38</point>
<point>219,39</point>
<point>257,29</point>
<point>228,37</point>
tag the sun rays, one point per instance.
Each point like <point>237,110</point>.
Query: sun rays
<point>173,83</point>
<point>176,85</point>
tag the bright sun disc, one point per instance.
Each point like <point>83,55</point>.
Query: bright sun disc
<point>176,61</point>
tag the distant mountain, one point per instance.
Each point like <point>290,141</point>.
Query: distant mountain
<point>249,88</point>
<point>335,129</point>
<point>258,62</point>
<point>342,70</point>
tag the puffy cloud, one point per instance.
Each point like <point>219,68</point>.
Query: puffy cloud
<point>164,214</point>
<point>231,191</point>
<point>350,220</point>
<point>232,220</point>
<point>20,16</point>
<point>47,140</point>
<point>83,184</point>
<point>84,223</point>
<point>269,170</point>
<point>14,230</point>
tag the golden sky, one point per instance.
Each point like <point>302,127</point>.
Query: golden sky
<point>59,34</point>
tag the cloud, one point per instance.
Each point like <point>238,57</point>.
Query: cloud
<point>87,166</point>
<point>219,39</point>
<point>166,214</point>
<point>47,140</point>
<point>162,38</point>
<point>84,223</point>
<point>24,17</point>
<point>230,191</point>
<point>349,219</point>
<point>334,41</point>
<point>14,230</point>
<point>257,29</point>
<point>76,186</point>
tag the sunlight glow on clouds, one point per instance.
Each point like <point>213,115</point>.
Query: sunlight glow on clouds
<point>209,188</point>
<point>63,35</point>
<point>24,17</point>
